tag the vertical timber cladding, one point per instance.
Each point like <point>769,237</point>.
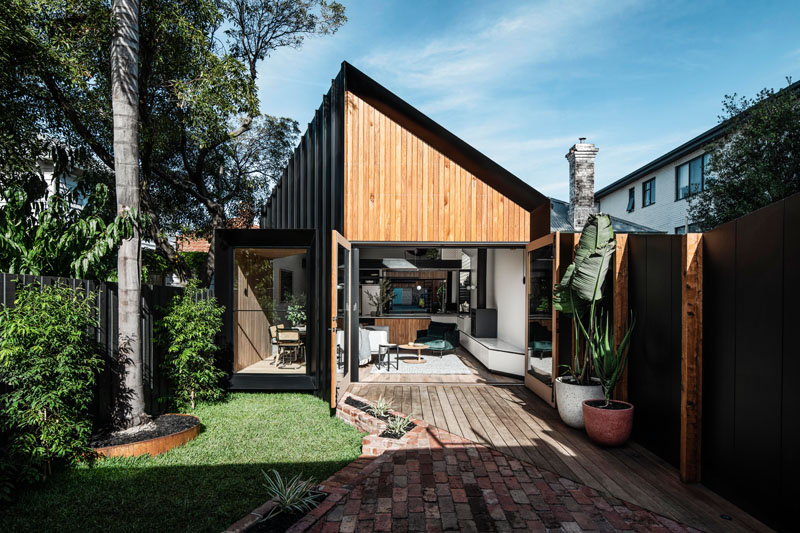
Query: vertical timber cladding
<point>399,188</point>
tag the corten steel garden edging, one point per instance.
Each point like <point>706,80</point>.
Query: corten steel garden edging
<point>154,446</point>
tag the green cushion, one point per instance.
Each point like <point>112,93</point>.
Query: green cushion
<point>438,345</point>
<point>545,346</point>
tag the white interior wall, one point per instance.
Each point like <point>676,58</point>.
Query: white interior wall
<point>508,294</point>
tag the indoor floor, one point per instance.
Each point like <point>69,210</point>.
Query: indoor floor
<point>477,372</point>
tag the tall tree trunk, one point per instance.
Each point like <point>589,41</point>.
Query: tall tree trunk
<point>125,94</point>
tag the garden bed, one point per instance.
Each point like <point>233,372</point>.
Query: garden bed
<point>386,433</point>
<point>162,434</point>
<point>354,410</point>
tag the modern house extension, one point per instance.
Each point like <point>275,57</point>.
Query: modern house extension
<point>378,194</point>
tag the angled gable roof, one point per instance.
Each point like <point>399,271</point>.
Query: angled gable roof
<point>441,139</point>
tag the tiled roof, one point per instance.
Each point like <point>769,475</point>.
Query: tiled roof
<point>189,242</point>
<point>559,220</point>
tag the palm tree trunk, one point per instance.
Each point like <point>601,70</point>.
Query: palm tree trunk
<point>125,96</point>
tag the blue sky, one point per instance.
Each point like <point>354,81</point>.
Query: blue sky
<point>521,81</point>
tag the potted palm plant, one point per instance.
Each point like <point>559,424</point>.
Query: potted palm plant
<point>608,422</point>
<point>577,295</point>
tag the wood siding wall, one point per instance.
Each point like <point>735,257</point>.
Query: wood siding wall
<point>398,188</point>
<point>252,341</point>
<point>403,330</point>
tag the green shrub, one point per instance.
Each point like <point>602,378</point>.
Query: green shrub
<point>189,330</point>
<point>50,363</point>
<point>398,424</point>
<point>380,407</point>
<point>294,495</point>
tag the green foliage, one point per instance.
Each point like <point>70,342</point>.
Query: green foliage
<point>581,287</point>
<point>292,495</point>
<point>441,294</point>
<point>398,424</point>
<point>609,362</point>
<point>380,407</point>
<point>296,309</point>
<point>190,328</point>
<point>757,163</point>
<point>246,434</point>
<point>50,362</point>
<point>48,235</point>
<point>206,152</point>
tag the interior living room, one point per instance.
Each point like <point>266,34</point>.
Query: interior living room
<point>444,313</point>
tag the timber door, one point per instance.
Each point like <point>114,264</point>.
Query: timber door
<point>541,324</point>
<point>341,316</point>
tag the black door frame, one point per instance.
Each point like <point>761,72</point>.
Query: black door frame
<point>226,241</point>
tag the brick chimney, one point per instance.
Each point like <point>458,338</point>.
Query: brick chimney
<point>581,182</point>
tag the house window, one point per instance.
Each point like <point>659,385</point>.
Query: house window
<point>631,199</point>
<point>692,177</point>
<point>693,228</point>
<point>649,192</point>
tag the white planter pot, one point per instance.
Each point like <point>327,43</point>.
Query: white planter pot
<point>570,397</point>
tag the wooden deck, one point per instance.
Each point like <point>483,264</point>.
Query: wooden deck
<point>513,420</point>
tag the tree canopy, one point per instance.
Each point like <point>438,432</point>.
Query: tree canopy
<point>206,152</point>
<point>758,161</point>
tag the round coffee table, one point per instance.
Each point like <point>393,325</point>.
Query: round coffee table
<point>418,348</point>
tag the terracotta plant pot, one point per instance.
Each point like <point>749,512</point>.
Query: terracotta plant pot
<point>608,426</point>
<point>570,397</point>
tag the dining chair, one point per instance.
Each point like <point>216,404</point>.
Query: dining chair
<point>289,345</point>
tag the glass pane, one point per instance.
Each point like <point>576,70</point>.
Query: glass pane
<point>540,314</point>
<point>707,175</point>
<point>695,175</point>
<point>343,347</point>
<point>631,200</point>
<point>269,310</point>
<point>683,181</point>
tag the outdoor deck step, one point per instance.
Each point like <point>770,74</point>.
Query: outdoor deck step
<point>265,382</point>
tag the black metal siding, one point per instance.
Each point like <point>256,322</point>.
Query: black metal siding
<point>310,195</point>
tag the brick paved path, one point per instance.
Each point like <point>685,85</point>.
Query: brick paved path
<point>448,483</point>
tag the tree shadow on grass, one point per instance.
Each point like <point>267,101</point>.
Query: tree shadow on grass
<point>129,495</point>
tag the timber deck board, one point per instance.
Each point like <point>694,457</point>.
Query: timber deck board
<point>513,420</point>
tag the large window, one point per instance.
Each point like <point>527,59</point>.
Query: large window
<point>693,228</point>
<point>649,192</point>
<point>631,199</point>
<point>269,310</point>
<point>692,177</point>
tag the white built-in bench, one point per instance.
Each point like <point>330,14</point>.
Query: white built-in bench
<point>496,354</point>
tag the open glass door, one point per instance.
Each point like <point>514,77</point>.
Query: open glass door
<point>341,352</point>
<point>541,331</point>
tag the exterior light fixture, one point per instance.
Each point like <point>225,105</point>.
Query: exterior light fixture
<point>419,287</point>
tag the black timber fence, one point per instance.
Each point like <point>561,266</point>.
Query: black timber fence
<point>751,365</point>
<point>654,366</point>
<point>155,299</point>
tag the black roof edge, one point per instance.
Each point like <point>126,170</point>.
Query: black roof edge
<point>701,140</point>
<point>690,146</point>
<point>441,139</point>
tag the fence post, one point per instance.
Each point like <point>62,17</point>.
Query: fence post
<point>621,307</point>
<point>691,355</point>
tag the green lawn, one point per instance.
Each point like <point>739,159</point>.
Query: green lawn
<point>204,485</point>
